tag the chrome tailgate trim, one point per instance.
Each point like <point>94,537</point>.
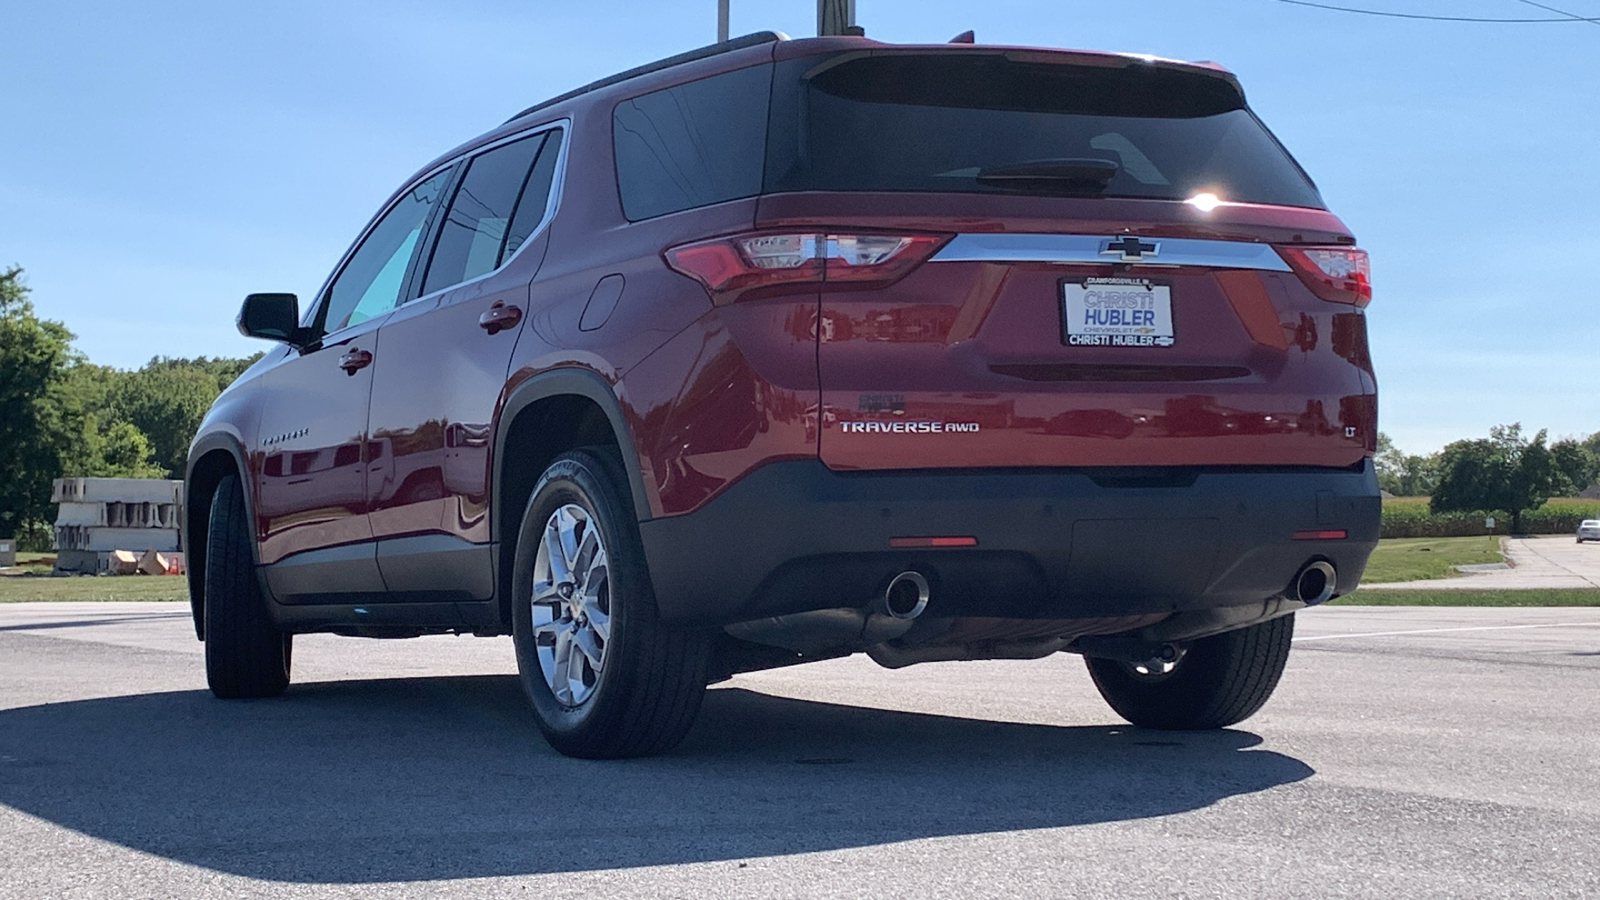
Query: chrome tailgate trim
<point>1095,249</point>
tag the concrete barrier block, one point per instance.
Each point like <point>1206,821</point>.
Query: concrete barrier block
<point>121,490</point>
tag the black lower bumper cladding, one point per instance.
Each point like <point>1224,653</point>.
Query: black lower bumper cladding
<point>1059,543</point>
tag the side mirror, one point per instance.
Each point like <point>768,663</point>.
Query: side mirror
<point>275,317</point>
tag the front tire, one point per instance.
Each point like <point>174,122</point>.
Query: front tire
<point>605,677</point>
<point>246,654</point>
<point>1219,681</point>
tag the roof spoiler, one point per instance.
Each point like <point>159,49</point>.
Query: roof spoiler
<point>738,43</point>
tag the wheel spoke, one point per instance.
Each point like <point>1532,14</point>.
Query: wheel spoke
<point>554,556</point>
<point>599,620</point>
<point>585,640</point>
<point>596,572</point>
<point>568,532</point>
<point>563,660</point>
<point>589,550</point>
<point>550,624</point>
<point>545,593</point>
<point>576,689</point>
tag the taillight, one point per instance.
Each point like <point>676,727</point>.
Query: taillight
<point>1339,274</point>
<point>732,267</point>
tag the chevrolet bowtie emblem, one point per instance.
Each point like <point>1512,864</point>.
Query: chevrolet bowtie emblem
<point>1129,248</point>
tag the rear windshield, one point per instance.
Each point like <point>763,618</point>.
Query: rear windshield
<point>991,124</point>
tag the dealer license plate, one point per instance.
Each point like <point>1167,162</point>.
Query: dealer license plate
<point>1116,312</point>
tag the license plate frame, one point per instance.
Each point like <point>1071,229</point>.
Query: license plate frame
<point>1116,311</point>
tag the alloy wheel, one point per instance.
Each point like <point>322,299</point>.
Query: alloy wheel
<point>571,604</point>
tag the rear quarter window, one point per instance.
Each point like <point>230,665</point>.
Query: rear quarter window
<point>692,145</point>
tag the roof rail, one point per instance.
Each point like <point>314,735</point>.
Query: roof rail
<point>738,43</point>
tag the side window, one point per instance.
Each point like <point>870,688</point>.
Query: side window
<point>498,192</point>
<point>370,282</point>
<point>692,145</point>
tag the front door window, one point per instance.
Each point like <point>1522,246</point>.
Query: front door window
<point>369,285</point>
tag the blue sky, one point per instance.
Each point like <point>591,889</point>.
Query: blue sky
<point>160,160</point>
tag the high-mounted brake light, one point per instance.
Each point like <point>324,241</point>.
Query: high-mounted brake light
<point>1337,274</point>
<point>732,267</point>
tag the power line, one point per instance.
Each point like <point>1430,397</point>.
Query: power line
<point>1573,16</point>
<point>1565,16</point>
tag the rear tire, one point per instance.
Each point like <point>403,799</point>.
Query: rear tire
<point>1220,681</point>
<point>606,679</point>
<point>246,654</point>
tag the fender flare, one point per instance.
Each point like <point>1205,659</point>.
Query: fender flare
<point>204,446</point>
<point>569,381</point>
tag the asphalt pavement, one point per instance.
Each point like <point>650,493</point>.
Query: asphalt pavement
<point>1408,753</point>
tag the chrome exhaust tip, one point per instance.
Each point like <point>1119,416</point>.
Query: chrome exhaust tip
<point>906,596</point>
<point>1315,583</point>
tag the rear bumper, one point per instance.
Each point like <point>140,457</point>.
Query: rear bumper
<point>1060,543</point>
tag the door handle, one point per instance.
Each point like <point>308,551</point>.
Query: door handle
<point>354,359</point>
<point>499,317</point>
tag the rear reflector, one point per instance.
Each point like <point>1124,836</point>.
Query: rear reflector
<point>732,267</point>
<point>1336,274</point>
<point>1337,534</point>
<point>933,542</point>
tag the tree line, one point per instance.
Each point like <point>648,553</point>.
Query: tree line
<point>62,415</point>
<point>1506,472</point>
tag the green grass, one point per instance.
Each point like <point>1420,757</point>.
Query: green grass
<point>26,588</point>
<point>1416,559</point>
<point>1572,597</point>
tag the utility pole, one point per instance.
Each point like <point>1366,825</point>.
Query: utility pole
<point>836,17</point>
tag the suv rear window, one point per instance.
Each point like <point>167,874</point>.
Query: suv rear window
<point>947,122</point>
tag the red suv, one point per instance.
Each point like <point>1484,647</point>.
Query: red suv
<point>781,351</point>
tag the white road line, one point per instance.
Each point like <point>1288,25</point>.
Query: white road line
<point>1329,637</point>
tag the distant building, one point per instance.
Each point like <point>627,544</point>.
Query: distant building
<point>98,516</point>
